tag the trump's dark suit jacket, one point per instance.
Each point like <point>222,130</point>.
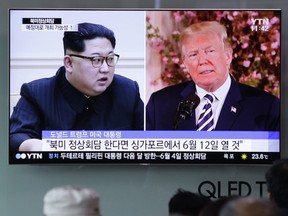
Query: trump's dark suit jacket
<point>245,109</point>
<point>53,104</point>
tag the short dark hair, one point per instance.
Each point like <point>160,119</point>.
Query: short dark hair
<point>187,203</point>
<point>74,40</point>
<point>277,182</point>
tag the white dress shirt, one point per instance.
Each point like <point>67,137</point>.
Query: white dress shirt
<point>220,95</point>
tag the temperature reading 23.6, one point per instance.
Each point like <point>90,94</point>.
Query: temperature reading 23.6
<point>260,157</point>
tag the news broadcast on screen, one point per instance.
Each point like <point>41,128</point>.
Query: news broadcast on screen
<point>131,86</point>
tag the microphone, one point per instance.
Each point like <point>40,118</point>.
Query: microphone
<point>185,109</point>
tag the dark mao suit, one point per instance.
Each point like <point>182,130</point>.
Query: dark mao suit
<point>245,109</point>
<point>53,104</point>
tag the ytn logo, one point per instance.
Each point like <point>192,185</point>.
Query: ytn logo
<point>259,21</point>
<point>24,156</point>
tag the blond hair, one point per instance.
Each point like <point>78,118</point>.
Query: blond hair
<point>204,27</point>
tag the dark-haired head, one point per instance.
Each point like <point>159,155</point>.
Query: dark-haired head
<point>277,182</point>
<point>74,40</point>
<point>187,203</point>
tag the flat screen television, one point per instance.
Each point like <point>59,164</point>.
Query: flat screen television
<point>168,68</point>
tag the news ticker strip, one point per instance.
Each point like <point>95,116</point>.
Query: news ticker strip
<point>159,141</point>
<point>142,157</point>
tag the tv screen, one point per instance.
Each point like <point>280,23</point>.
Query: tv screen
<point>107,86</point>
